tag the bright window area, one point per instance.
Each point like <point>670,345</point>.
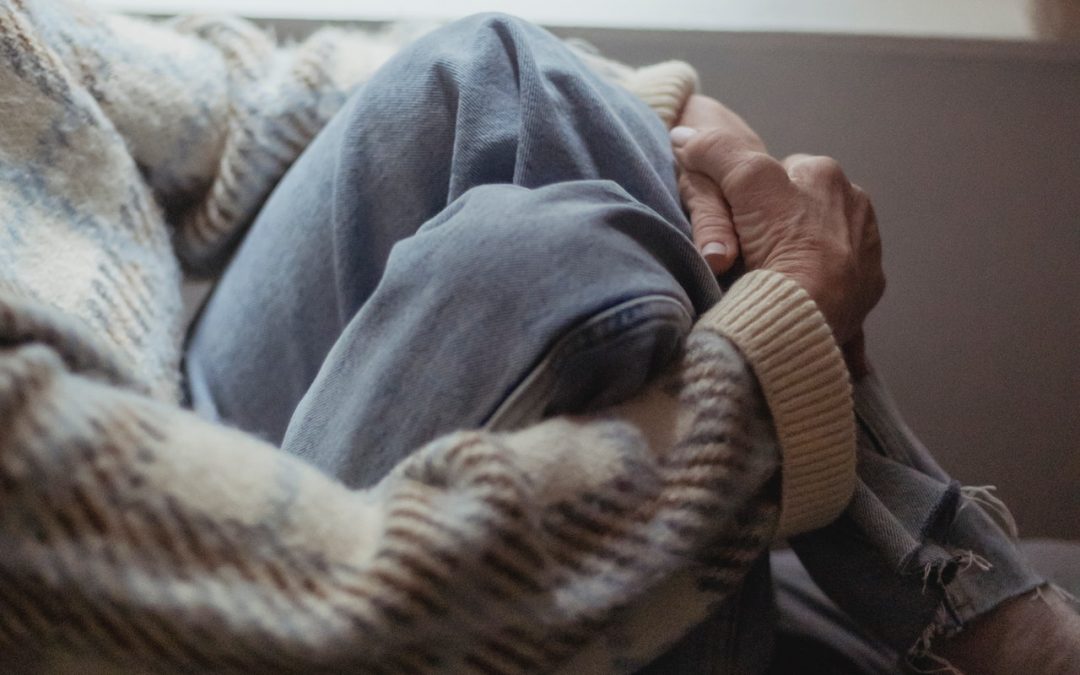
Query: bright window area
<point>994,19</point>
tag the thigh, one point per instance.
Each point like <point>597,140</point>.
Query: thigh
<point>488,100</point>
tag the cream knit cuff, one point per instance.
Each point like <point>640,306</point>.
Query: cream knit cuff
<point>665,87</point>
<point>778,328</point>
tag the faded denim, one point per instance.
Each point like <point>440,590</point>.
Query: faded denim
<point>487,234</point>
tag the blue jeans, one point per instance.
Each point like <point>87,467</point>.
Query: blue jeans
<point>487,234</point>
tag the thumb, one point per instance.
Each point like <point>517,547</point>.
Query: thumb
<point>734,162</point>
<point>710,221</point>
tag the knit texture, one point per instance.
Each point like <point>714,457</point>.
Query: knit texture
<point>665,87</point>
<point>780,330</point>
<point>135,535</point>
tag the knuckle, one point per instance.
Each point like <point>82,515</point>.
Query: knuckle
<point>754,167</point>
<point>825,168</point>
<point>818,170</point>
<point>756,162</point>
<point>709,225</point>
<point>715,142</point>
<point>863,206</point>
<point>687,189</point>
<point>707,142</point>
<point>708,149</point>
<point>860,201</point>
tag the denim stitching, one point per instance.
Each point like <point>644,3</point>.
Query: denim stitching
<point>526,401</point>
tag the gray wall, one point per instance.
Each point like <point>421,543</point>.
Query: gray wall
<point>971,151</point>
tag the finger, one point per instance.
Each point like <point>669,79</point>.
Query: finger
<point>792,161</point>
<point>867,239</point>
<point>860,212</point>
<point>865,235</point>
<point>710,221</point>
<point>816,170</point>
<point>824,179</point>
<point>732,161</point>
<point>703,112</point>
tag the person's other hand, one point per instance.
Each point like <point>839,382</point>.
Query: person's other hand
<point>800,217</point>
<point>710,214</point>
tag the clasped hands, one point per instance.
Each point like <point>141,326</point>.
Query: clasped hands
<point>799,216</point>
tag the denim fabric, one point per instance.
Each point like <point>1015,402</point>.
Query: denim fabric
<point>912,558</point>
<point>488,234</point>
<point>480,202</point>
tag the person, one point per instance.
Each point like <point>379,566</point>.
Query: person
<point>487,234</point>
<point>423,198</point>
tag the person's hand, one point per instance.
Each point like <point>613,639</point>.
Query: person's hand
<point>710,215</point>
<point>800,217</point>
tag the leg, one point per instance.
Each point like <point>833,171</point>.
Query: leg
<point>608,274</point>
<point>811,627</point>
<point>913,541</point>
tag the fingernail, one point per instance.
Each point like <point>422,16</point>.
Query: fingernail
<point>714,252</point>
<point>680,135</point>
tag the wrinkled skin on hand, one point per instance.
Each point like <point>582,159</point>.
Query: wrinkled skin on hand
<point>799,216</point>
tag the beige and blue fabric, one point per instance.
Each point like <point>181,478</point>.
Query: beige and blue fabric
<point>136,534</point>
<point>142,536</point>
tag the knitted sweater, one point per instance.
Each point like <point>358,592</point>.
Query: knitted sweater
<point>137,536</point>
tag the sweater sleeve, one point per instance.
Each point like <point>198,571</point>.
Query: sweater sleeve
<point>779,329</point>
<point>139,535</point>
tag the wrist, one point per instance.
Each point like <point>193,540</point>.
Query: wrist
<point>803,275</point>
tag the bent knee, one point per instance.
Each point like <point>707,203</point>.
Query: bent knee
<point>496,23</point>
<point>582,228</point>
<point>579,272</point>
<point>488,38</point>
<point>586,245</point>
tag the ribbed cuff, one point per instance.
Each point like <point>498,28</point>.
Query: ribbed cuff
<point>665,87</point>
<point>778,328</point>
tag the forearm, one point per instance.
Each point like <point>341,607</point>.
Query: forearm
<point>132,514</point>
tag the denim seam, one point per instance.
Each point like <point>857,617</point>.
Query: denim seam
<point>526,401</point>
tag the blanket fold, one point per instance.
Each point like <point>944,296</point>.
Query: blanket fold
<point>136,533</point>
